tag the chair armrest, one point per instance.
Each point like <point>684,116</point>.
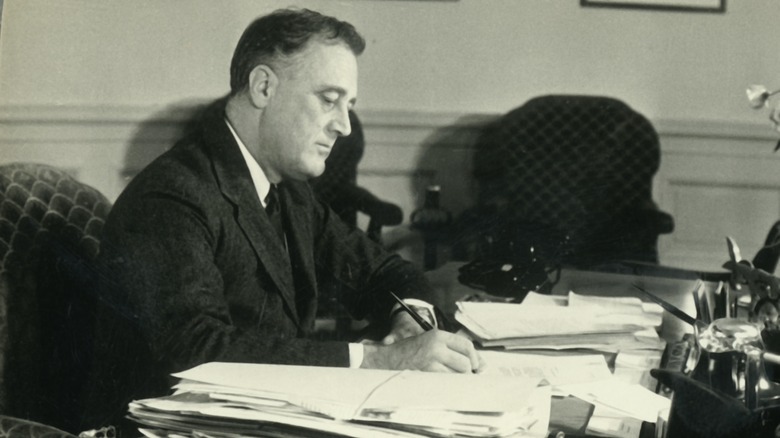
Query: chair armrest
<point>381,212</point>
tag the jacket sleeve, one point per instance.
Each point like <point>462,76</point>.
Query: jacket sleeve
<point>360,272</point>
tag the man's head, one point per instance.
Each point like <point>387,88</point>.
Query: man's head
<point>274,38</point>
<point>293,81</point>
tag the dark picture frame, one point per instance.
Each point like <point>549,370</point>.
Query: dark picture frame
<point>716,6</point>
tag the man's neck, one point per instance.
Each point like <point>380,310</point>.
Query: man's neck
<point>240,120</point>
<point>243,117</point>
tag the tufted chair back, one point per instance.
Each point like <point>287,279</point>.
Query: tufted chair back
<point>50,227</point>
<point>571,176</point>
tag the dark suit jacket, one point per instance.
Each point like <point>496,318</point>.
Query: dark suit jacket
<point>195,272</point>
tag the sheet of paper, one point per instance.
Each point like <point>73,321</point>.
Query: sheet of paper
<point>216,417</point>
<point>633,366</point>
<point>343,428</point>
<point>453,392</point>
<point>537,299</point>
<point>259,397</point>
<point>605,422</point>
<point>500,320</point>
<point>540,399</point>
<point>554,369</point>
<point>151,433</point>
<point>335,392</point>
<point>622,304</point>
<point>532,421</point>
<point>343,393</point>
<point>631,400</point>
<point>642,340</point>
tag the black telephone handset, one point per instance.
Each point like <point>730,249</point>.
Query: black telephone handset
<point>514,256</point>
<point>504,279</point>
<point>511,274</point>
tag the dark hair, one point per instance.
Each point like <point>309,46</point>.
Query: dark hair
<point>283,33</point>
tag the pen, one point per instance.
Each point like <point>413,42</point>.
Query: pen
<point>423,323</point>
<point>674,310</point>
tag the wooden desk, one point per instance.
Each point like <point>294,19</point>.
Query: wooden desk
<point>677,291</point>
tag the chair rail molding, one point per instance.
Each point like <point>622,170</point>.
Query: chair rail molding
<point>717,177</point>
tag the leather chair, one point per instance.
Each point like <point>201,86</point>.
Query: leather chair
<point>569,176</point>
<point>50,228</point>
<point>337,186</point>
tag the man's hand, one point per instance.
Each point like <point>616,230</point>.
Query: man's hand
<point>434,350</point>
<point>403,326</point>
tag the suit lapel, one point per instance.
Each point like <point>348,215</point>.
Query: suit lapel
<point>236,185</point>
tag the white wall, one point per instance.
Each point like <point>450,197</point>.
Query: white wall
<point>96,86</point>
<point>464,56</point>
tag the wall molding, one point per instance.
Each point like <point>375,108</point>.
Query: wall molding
<point>700,128</point>
<point>375,118</point>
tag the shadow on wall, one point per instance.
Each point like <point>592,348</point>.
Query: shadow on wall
<point>446,160</point>
<point>159,133</point>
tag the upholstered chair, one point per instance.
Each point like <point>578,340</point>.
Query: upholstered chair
<point>571,177</point>
<point>50,227</point>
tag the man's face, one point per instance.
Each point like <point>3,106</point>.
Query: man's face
<point>308,111</point>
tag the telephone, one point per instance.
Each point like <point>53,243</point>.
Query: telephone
<point>516,258</point>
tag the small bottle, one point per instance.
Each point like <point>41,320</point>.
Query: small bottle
<point>432,221</point>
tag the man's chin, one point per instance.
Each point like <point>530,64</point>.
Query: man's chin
<point>314,172</point>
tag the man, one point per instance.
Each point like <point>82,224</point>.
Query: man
<point>195,262</point>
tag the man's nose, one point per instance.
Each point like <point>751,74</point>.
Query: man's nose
<point>341,123</point>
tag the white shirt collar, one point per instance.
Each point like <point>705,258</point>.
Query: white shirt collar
<point>259,180</point>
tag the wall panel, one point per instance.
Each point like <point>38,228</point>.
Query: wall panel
<point>716,179</point>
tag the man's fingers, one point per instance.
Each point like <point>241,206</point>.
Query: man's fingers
<point>482,363</point>
<point>436,350</point>
<point>456,362</point>
<point>466,348</point>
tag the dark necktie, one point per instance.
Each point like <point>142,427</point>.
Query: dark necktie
<point>274,211</point>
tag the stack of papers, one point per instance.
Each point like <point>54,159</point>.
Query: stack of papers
<point>624,327</point>
<point>259,400</point>
<point>577,321</point>
<point>621,403</point>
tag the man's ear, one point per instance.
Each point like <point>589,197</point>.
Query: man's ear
<point>262,84</point>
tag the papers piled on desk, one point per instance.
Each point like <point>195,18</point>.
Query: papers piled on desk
<point>626,326</point>
<point>576,321</point>
<point>585,376</point>
<point>258,400</point>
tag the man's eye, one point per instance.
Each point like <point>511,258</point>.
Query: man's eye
<point>329,101</point>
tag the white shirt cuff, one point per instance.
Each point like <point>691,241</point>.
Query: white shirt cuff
<point>355,355</point>
<point>423,308</point>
